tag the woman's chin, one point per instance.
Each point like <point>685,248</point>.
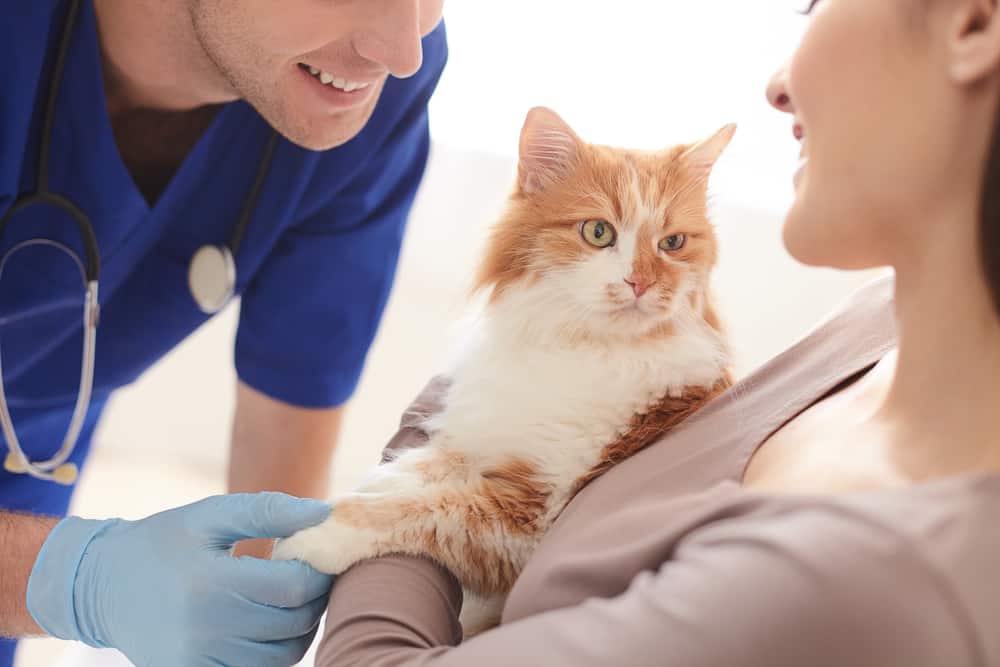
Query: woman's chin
<point>811,242</point>
<point>803,247</point>
<point>803,238</point>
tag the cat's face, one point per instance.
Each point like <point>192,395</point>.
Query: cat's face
<point>604,242</point>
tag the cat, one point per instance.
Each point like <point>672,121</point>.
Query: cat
<point>598,334</point>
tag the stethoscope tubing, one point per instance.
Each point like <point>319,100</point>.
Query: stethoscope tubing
<point>91,270</point>
<point>43,469</point>
<point>92,265</point>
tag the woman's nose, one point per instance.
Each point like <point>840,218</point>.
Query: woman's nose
<point>777,92</point>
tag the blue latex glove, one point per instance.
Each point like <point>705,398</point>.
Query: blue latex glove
<point>166,591</point>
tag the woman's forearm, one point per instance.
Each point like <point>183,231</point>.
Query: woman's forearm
<point>410,607</point>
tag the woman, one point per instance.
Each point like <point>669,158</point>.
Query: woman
<point>839,506</point>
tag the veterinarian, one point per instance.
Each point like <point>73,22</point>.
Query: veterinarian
<point>157,159</point>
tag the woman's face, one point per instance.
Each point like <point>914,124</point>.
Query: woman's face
<point>892,134</point>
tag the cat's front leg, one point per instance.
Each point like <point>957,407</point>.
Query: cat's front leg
<point>379,518</point>
<point>334,545</point>
<point>481,525</point>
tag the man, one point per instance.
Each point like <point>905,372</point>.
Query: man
<point>162,119</point>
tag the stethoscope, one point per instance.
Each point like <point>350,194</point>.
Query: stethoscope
<point>211,278</point>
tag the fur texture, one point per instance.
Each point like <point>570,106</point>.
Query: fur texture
<point>582,356</point>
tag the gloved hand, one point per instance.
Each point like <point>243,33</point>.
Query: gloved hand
<point>166,591</point>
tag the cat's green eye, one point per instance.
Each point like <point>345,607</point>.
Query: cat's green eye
<point>673,243</point>
<point>598,233</point>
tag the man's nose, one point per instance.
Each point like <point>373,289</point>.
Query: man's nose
<point>777,91</point>
<point>393,38</point>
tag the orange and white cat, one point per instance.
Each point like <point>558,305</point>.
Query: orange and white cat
<point>598,335</point>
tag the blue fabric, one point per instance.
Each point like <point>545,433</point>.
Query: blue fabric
<point>314,270</point>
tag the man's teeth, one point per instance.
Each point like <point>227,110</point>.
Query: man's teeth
<point>328,79</point>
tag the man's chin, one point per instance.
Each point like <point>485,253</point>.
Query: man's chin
<point>315,129</point>
<point>322,133</point>
<point>316,137</point>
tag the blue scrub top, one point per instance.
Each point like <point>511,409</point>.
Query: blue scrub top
<point>314,269</point>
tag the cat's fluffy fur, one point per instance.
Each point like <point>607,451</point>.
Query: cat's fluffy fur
<point>570,367</point>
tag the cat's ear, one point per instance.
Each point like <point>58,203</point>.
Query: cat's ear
<point>702,156</point>
<point>549,149</point>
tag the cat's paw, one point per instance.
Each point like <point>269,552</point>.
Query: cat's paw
<point>331,547</point>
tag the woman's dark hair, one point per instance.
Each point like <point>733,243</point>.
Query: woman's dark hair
<point>989,223</point>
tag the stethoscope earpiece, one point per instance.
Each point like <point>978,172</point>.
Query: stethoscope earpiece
<point>66,474</point>
<point>13,465</point>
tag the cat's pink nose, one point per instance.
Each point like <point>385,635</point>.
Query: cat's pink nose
<point>638,285</point>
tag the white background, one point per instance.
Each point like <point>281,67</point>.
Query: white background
<point>640,73</point>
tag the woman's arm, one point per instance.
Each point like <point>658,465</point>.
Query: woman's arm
<point>411,604</point>
<point>818,587</point>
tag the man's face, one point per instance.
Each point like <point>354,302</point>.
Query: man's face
<point>314,68</point>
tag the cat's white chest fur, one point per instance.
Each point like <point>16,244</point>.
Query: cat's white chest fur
<point>559,404</point>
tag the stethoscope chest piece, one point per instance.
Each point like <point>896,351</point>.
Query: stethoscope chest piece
<point>212,272</point>
<point>212,277</point>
